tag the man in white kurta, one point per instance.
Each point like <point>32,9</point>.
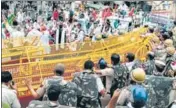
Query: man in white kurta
<point>17,37</point>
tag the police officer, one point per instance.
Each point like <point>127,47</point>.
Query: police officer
<point>149,65</point>
<point>53,94</point>
<point>133,96</point>
<point>90,86</point>
<point>68,91</point>
<point>168,71</point>
<point>174,33</point>
<point>161,52</point>
<point>159,65</point>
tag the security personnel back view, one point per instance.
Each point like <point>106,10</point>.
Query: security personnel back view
<point>90,85</point>
<point>68,94</point>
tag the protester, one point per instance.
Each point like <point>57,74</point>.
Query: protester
<point>131,63</point>
<point>55,14</point>
<point>81,34</point>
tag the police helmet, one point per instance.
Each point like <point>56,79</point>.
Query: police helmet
<point>170,50</point>
<point>138,75</point>
<point>168,43</point>
<point>102,63</point>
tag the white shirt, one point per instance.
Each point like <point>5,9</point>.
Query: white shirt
<point>34,32</point>
<point>17,38</point>
<point>80,36</point>
<point>45,38</point>
<point>173,106</point>
<point>100,84</point>
<point>129,65</point>
<point>20,17</point>
<point>66,14</point>
<point>91,29</point>
<point>9,97</point>
<point>109,73</point>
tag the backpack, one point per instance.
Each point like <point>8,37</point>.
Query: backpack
<point>120,77</point>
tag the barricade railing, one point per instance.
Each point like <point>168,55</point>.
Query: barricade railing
<point>37,71</point>
<point>80,47</point>
<point>41,67</point>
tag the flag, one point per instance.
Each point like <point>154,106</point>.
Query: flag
<point>131,12</point>
<point>10,19</point>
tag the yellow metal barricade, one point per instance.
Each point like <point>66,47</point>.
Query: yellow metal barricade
<point>73,60</point>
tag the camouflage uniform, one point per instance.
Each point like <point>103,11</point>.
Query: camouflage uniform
<point>137,64</point>
<point>149,67</point>
<point>120,77</point>
<point>87,90</point>
<point>68,95</point>
<point>45,104</point>
<point>169,60</point>
<point>174,36</point>
<point>158,88</point>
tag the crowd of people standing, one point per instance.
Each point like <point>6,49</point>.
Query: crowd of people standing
<point>65,22</point>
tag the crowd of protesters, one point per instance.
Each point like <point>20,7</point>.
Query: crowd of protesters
<point>25,24</point>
